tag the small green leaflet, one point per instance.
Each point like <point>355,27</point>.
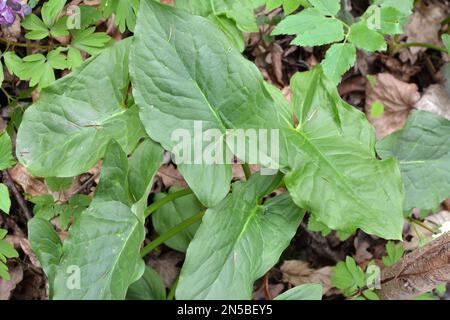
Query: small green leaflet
<point>238,241</point>
<point>172,214</point>
<point>338,60</point>
<point>289,6</point>
<point>5,201</point>
<point>303,292</point>
<point>366,38</point>
<point>67,130</point>
<point>47,208</point>
<point>395,254</point>
<point>149,287</point>
<point>50,23</point>
<point>348,277</point>
<point>331,155</point>
<point>7,251</point>
<point>403,6</point>
<point>312,27</point>
<point>90,41</point>
<point>319,25</point>
<point>6,157</point>
<point>125,12</point>
<point>422,150</point>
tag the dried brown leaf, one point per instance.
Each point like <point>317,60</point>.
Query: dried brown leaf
<point>297,272</point>
<point>29,184</point>
<point>398,98</point>
<point>435,100</point>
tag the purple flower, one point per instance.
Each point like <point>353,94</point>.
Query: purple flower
<point>9,9</point>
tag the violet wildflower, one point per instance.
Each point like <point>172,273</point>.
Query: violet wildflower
<point>10,8</point>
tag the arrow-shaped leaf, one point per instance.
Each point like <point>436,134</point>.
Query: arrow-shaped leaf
<point>332,169</point>
<point>238,241</point>
<point>67,130</point>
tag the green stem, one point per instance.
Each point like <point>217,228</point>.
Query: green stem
<point>247,171</point>
<point>171,294</point>
<point>25,45</point>
<point>169,198</point>
<point>421,224</point>
<point>8,96</point>
<point>420,44</point>
<point>172,232</point>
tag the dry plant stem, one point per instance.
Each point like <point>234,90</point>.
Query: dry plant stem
<point>17,195</point>
<point>418,272</point>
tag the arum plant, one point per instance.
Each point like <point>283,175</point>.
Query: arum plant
<point>183,70</point>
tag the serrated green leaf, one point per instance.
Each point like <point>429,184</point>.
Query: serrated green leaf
<point>422,150</point>
<point>173,214</point>
<point>238,241</point>
<point>5,201</point>
<point>166,53</point>
<point>327,7</point>
<point>338,60</point>
<point>67,130</point>
<point>404,6</point>
<point>365,38</point>
<point>241,11</point>
<point>149,287</point>
<point>303,292</point>
<point>331,155</point>
<point>290,6</point>
<point>312,28</point>
<point>6,156</point>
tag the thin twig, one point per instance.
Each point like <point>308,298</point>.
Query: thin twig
<point>17,195</point>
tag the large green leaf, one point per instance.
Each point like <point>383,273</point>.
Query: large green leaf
<point>303,292</point>
<point>332,169</point>
<point>241,11</point>
<point>185,71</point>
<point>149,287</point>
<point>67,130</point>
<point>422,150</point>
<point>101,256</point>
<point>172,214</point>
<point>238,241</point>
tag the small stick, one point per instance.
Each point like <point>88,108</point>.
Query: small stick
<point>17,195</point>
